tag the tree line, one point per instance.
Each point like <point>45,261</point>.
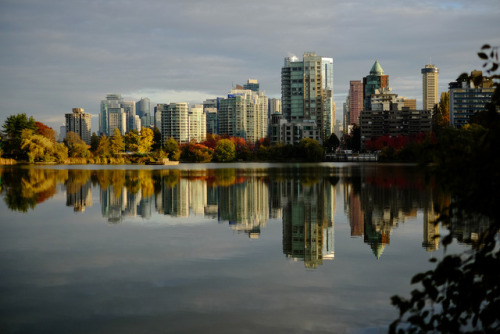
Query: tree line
<point>24,139</point>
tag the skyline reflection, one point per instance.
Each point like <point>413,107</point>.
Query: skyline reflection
<point>376,200</point>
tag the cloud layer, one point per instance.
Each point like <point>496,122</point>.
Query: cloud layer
<point>57,55</point>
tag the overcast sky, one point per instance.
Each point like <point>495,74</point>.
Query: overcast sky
<point>59,54</point>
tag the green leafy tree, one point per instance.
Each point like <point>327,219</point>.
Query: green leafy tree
<point>94,142</point>
<point>117,143</point>
<point>331,143</point>
<point>462,293</point>
<point>12,130</point>
<point>171,147</point>
<point>156,139</point>
<point>225,151</point>
<point>310,150</point>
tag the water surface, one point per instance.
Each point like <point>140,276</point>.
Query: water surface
<point>213,247</point>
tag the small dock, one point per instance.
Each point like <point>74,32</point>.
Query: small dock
<point>352,157</point>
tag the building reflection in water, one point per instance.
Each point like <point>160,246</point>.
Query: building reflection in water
<point>376,200</point>
<point>308,227</point>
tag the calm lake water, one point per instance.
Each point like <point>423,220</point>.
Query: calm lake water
<point>223,248</point>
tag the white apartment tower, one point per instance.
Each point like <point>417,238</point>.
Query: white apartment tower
<point>244,114</point>
<point>307,97</point>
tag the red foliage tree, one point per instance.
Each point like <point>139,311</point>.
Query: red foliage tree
<point>45,131</point>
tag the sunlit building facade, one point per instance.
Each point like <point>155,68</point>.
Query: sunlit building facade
<point>430,76</point>
<point>306,97</point>
<point>79,122</point>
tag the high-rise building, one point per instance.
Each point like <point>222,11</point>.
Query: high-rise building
<point>243,114</point>
<point>197,123</point>
<point>429,86</point>
<point>355,101</point>
<point>376,80</point>
<point>115,104</point>
<point>79,122</point>
<point>252,85</point>
<point>210,107</point>
<point>307,97</point>
<point>387,115</point>
<point>468,97</point>
<point>174,121</point>
<point>410,103</point>
<point>143,107</point>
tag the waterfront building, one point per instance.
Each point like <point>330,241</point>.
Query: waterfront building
<point>143,107</point>
<point>197,123</point>
<point>307,97</point>
<point>79,122</point>
<point>174,121</point>
<point>355,100</point>
<point>376,80</point>
<point>243,114</point>
<point>210,107</point>
<point>387,115</point>
<point>147,121</point>
<point>469,96</point>
<point>111,113</point>
<point>430,74</point>
<point>62,133</point>
<point>117,119</point>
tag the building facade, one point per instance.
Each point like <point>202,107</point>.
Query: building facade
<point>79,122</point>
<point>110,115</point>
<point>376,80</point>
<point>174,121</point>
<point>430,74</point>
<point>468,97</point>
<point>307,94</point>
<point>243,114</point>
<point>355,101</point>
<point>197,123</point>
<point>210,107</point>
<point>387,115</point>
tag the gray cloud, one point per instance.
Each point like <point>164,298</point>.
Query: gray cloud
<point>57,55</point>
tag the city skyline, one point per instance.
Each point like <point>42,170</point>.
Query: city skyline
<point>61,56</point>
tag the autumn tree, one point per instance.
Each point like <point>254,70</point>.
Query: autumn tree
<point>41,148</point>
<point>194,152</point>
<point>132,139</point>
<point>441,112</point>
<point>103,149</point>
<point>117,143</point>
<point>146,140</point>
<point>76,146</point>
<point>45,131</point>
